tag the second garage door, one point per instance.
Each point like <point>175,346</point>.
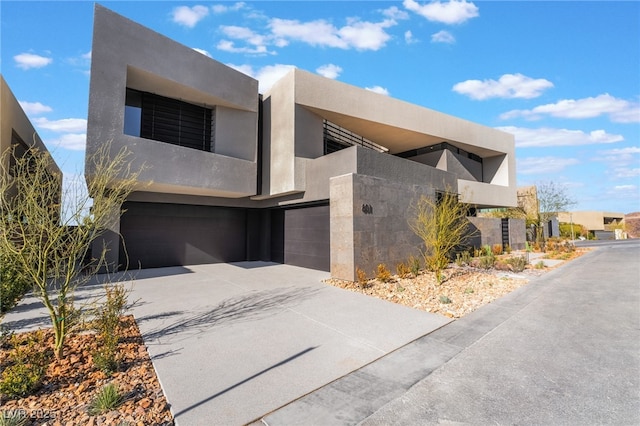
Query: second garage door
<point>306,237</point>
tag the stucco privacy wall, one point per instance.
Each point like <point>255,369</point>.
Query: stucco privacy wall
<point>370,223</point>
<point>126,54</point>
<point>488,231</point>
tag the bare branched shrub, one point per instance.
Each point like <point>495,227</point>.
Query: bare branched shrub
<point>441,222</point>
<point>51,241</point>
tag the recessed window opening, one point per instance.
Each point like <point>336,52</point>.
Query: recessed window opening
<point>155,117</point>
<point>337,138</point>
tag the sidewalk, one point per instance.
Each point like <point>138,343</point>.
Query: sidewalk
<point>565,349</point>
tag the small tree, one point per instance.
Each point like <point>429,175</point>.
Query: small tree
<point>537,205</point>
<point>552,199</point>
<point>442,224</point>
<point>49,241</point>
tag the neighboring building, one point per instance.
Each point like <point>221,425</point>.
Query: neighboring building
<point>17,135</point>
<point>602,224</point>
<point>315,172</point>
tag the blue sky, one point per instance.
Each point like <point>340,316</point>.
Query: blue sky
<point>563,77</point>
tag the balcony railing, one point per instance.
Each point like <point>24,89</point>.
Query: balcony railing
<point>337,138</point>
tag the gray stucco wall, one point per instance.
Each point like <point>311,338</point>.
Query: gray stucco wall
<point>126,54</point>
<point>14,120</point>
<point>488,231</point>
<point>517,234</point>
<point>485,231</point>
<point>464,167</point>
<point>370,223</point>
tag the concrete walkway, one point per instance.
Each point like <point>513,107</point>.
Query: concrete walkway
<point>565,349</point>
<point>232,342</point>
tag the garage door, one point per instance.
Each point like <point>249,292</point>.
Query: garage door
<point>157,235</point>
<point>306,237</point>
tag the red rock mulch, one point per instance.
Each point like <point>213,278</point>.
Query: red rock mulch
<point>71,383</point>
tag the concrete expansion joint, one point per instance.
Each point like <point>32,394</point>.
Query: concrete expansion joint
<point>365,343</point>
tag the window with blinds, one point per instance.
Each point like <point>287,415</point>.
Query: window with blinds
<point>167,120</point>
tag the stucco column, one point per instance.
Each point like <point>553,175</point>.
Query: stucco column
<point>341,227</point>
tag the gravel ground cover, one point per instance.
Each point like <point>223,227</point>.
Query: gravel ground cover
<point>463,290</point>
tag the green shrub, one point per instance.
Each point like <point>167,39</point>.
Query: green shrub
<point>444,299</point>
<point>105,360</point>
<point>486,262</point>
<point>107,324</point>
<point>13,284</point>
<point>107,399</point>
<point>383,273</point>
<point>414,265</point>
<point>540,265</point>
<point>13,418</point>
<point>463,258</point>
<point>27,365</point>
<point>436,264</point>
<point>518,263</point>
<point>20,380</point>
<point>578,230</point>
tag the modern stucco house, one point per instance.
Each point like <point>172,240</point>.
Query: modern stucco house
<point>314,172</point>
<point>602,224</point>
<point>17,134</point>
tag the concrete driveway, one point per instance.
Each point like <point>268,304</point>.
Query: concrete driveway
<point>233,342</point>
<point>562,350</point>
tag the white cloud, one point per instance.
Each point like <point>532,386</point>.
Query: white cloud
<point>451,12</point>
<point>626,189</point>
<point>394,13</point>
<point>378,89</point>
<point>626,172</point>
<point>329,71</point>
<point>366,35</point>
<point>622,163</point>
<point>618,110</point>
<point>204,52</point>
<point>34,108</point>
<point>30,60</point>
<point>545,137</point>
<point>71,141</point>
<point>622,151</point>
<point>259,42</point>
<point>229,46</point>
<point>543,165</point>
<point>189,16</point>
<point>361,35</point>
<point>266,76</point>
<point>71,125</point>
<point>223,8</point>
<point>408,37</point>
<point>508,86</point>
<point>443,37</point>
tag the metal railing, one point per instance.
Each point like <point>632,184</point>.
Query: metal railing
<point>337,138</point>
